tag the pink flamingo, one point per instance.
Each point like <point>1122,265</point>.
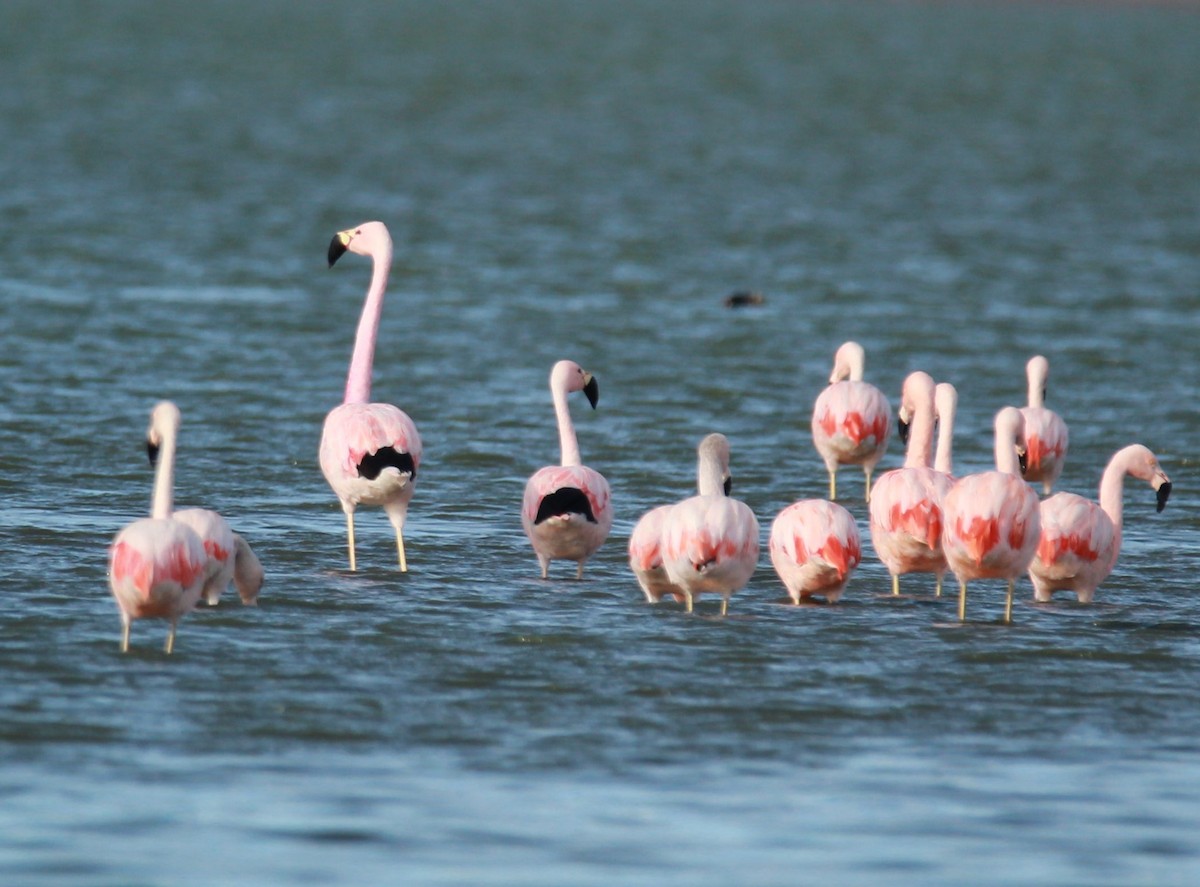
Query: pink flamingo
<point>157,565</point>
<point>645,556</point>
<point>1081,539</point>
<point>230,558</point>
<point>945,405</point>
<point>906,503</point>
<point>567,509</point>
<point>370,452</point>
<point>710,541</point>
<point>814,546</point>
<point>991,520</point>
<point>851,419</point>
<point>1045,432</point>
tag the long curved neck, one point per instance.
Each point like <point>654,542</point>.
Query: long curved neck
<point>1037,388</point>
<point>943,461</point>
<point>1006,453</point>
<point>164,478</point>
<point>920,440</point>
<point>566,428</point>
<point>358,381</point>
<point>1112,492</point>
<point>710,479</point>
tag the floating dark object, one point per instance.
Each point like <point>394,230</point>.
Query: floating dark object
<point>743,299</point>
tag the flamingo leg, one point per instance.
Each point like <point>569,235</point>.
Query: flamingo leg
<point>1008,602</point>
<point>937,589</point>
<point>400,548</point>
<point>688,596</point>
<point>170,647</point>
<point>724,605</point>
<point>867,472</point>
<point>579,572</point>
<point>895,585</point>
<point>125,635</point>
<point>350,538</point>
<point>832,484</point>
<point>962,601</point>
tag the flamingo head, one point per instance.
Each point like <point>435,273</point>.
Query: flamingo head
<point>164,420</point>
<point>848,363</point>
<point>367,239</point>
<point>570,376</point>
<point>1144,465</point>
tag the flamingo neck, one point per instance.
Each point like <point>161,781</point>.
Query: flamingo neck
<point>1037,387</point>
<point>944,459</point>
<point>920,438</point>
<point>566,428</point>
<point>1006,453</point>
<point>710,479</point>
<point>1112,492</point>
<point>163,502</point>
<point>358,381</point>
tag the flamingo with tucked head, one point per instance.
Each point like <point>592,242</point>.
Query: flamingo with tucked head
<point>710,541</point>
<point>991,520</point>
<point>370,452</point>
<point>1046,435</point>
<point>230,557</point>
<point>906,503</point>
<point>157,566</point>
<point>645,556</point>
<point>814,546</point>
<point>567,508</point>
<point>1081,539</point>
<point>851,419</point>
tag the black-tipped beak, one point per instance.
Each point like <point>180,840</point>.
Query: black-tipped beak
<point>1023,461</point>
<point>729,486</point>
<point>337,247</point>
<point>152,452</point>
<point>1164,493</point>
<point>591,390</point>
<point>902,428</point>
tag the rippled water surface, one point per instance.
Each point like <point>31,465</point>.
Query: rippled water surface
<point>957,186</point>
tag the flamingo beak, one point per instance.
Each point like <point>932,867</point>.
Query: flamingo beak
<point>1023,460</point>
<point>152,452</point>
<point>1164,493</point>
<point>902,428</point>
<point>591,389</point>
<point>729,486</point>
<point>338,246</point>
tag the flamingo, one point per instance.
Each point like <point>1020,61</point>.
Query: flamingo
<point>1045,431</point>
<point>851,419</point>
<point>710,541</point>
<point>230,557</point>
<point>370,452</point>
<point>945,405</point>
<point>814,546</point>
<point>567,508</point>
<point>991,520</point>
<point>645,556</point>
<point>157,565</point>
<point>1081,539</point>
<point>906,503</point>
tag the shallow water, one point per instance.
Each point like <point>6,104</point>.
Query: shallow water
<point>957,186</point>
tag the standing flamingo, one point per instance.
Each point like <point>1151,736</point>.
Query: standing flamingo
<point>906,503</point>
<point>991,520</point>
<point>157,565</point>
<point>567,509</point>
<point>370,452</point>
<point>945,405</point>
<point>1080,539</point>
<point>230,558</point>
<point>710,541</point>
<point>851,419</point>
<point>1045,432</point>
<point>814,546</point>
<point>645,556</point>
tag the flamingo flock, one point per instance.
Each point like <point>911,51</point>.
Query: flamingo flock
<point>921,518</point>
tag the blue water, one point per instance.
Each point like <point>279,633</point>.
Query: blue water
<point>956,186</point>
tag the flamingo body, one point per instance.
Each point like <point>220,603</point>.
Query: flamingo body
<point>814,547</point>
<point>851,420</point>
<point>370,452</point>
<point>230,558</point>
<point>645,556</point>
<point>1081,539</point>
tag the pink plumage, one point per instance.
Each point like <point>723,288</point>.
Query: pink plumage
<point>567,509</point>
<point>370,452</point>
<point>991,520</point>
<point>1046,437</point>
<point>851,420</point>
<point>710,542</point>
<point>1081,539</point>
<point>645,556</point>
<point>814,547</point>
<point>230,558</point>
<point>157,565</point>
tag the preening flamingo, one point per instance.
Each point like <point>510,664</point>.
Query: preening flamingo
<point>991,519</point>
<point>1081,539</point>
<point>230,558</point>
<point>567,508</point>
<point>157,565</point>
<point>906,503</point>
<point>851,419</point>
<point>710,541</point>
<point>1045,431</point>
<point>645,556</point>
<point>945,405</point>
<point>814,546</point>
<point>370,452</point>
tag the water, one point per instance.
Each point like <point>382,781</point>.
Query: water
<point>957,186</point>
